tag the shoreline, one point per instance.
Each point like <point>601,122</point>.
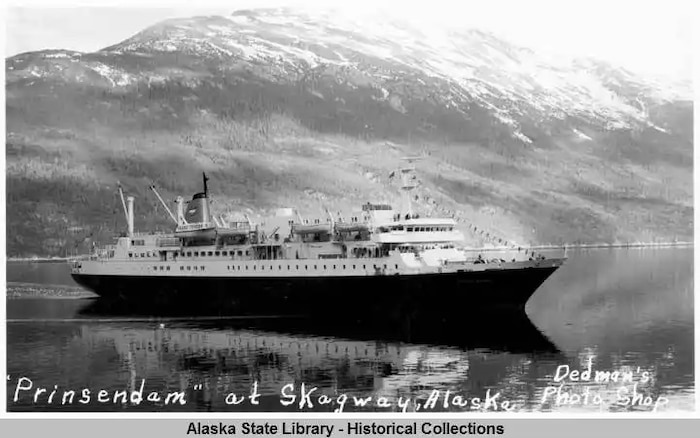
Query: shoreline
<point>43,259</point>
<point>24,290</point>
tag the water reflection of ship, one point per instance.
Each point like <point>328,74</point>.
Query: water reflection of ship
<point>232,359</point>
<point>233,354</point>
<point>511,332</point>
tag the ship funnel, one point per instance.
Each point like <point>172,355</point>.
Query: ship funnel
<point>130,214</point>
<point>198,209</point>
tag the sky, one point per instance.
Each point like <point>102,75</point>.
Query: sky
<point>649,37</point>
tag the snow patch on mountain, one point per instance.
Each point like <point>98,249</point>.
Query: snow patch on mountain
<point>522,137</point>
<point>116,77</point>
<point>57,56</point>
<point>581,135</point>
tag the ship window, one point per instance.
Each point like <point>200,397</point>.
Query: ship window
<point>201,268</point>
<point>287,267</point>
<point>353,266</point>
<point>209,254</point>
<point>364,266</point>
<point>280,266</point>
<point>246,267</point>
<point>189,268</point>
<point>167,268</point>
<point>306,267</point>
<point>131,255</point>
<point>182,268</point>
<point>217,253</point>
<point>196,253</point>
<point>247,252</point>
<point>142,255</point>
<point>161,268</point>
<point>315,267</point>
<point>255,268</point>
<point>189,253</point>
<point>324,266</point>
<point>397,266</point>
<point>155,268</point>
<point>195,268</point>
<point>239,267</point>
<point>343,266</point>
<point>409,229</point>
<point>384,266</point>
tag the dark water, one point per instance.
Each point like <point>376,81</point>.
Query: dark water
<point>628,312</point>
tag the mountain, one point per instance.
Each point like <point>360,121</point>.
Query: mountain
<point>293,108</point>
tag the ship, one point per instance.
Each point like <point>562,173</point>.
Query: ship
<point>380,261</point>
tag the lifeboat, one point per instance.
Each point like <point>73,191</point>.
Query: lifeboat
<point>311,228</point>
<point>204,230</point>
<point>344,227</point>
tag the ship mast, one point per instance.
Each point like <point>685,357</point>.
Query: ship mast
<point>408,181</point>
<point>121,195</point>
<point>128,210</point>
<point>205,179</point>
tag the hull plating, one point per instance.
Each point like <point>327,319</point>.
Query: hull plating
<point>441,293</point>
